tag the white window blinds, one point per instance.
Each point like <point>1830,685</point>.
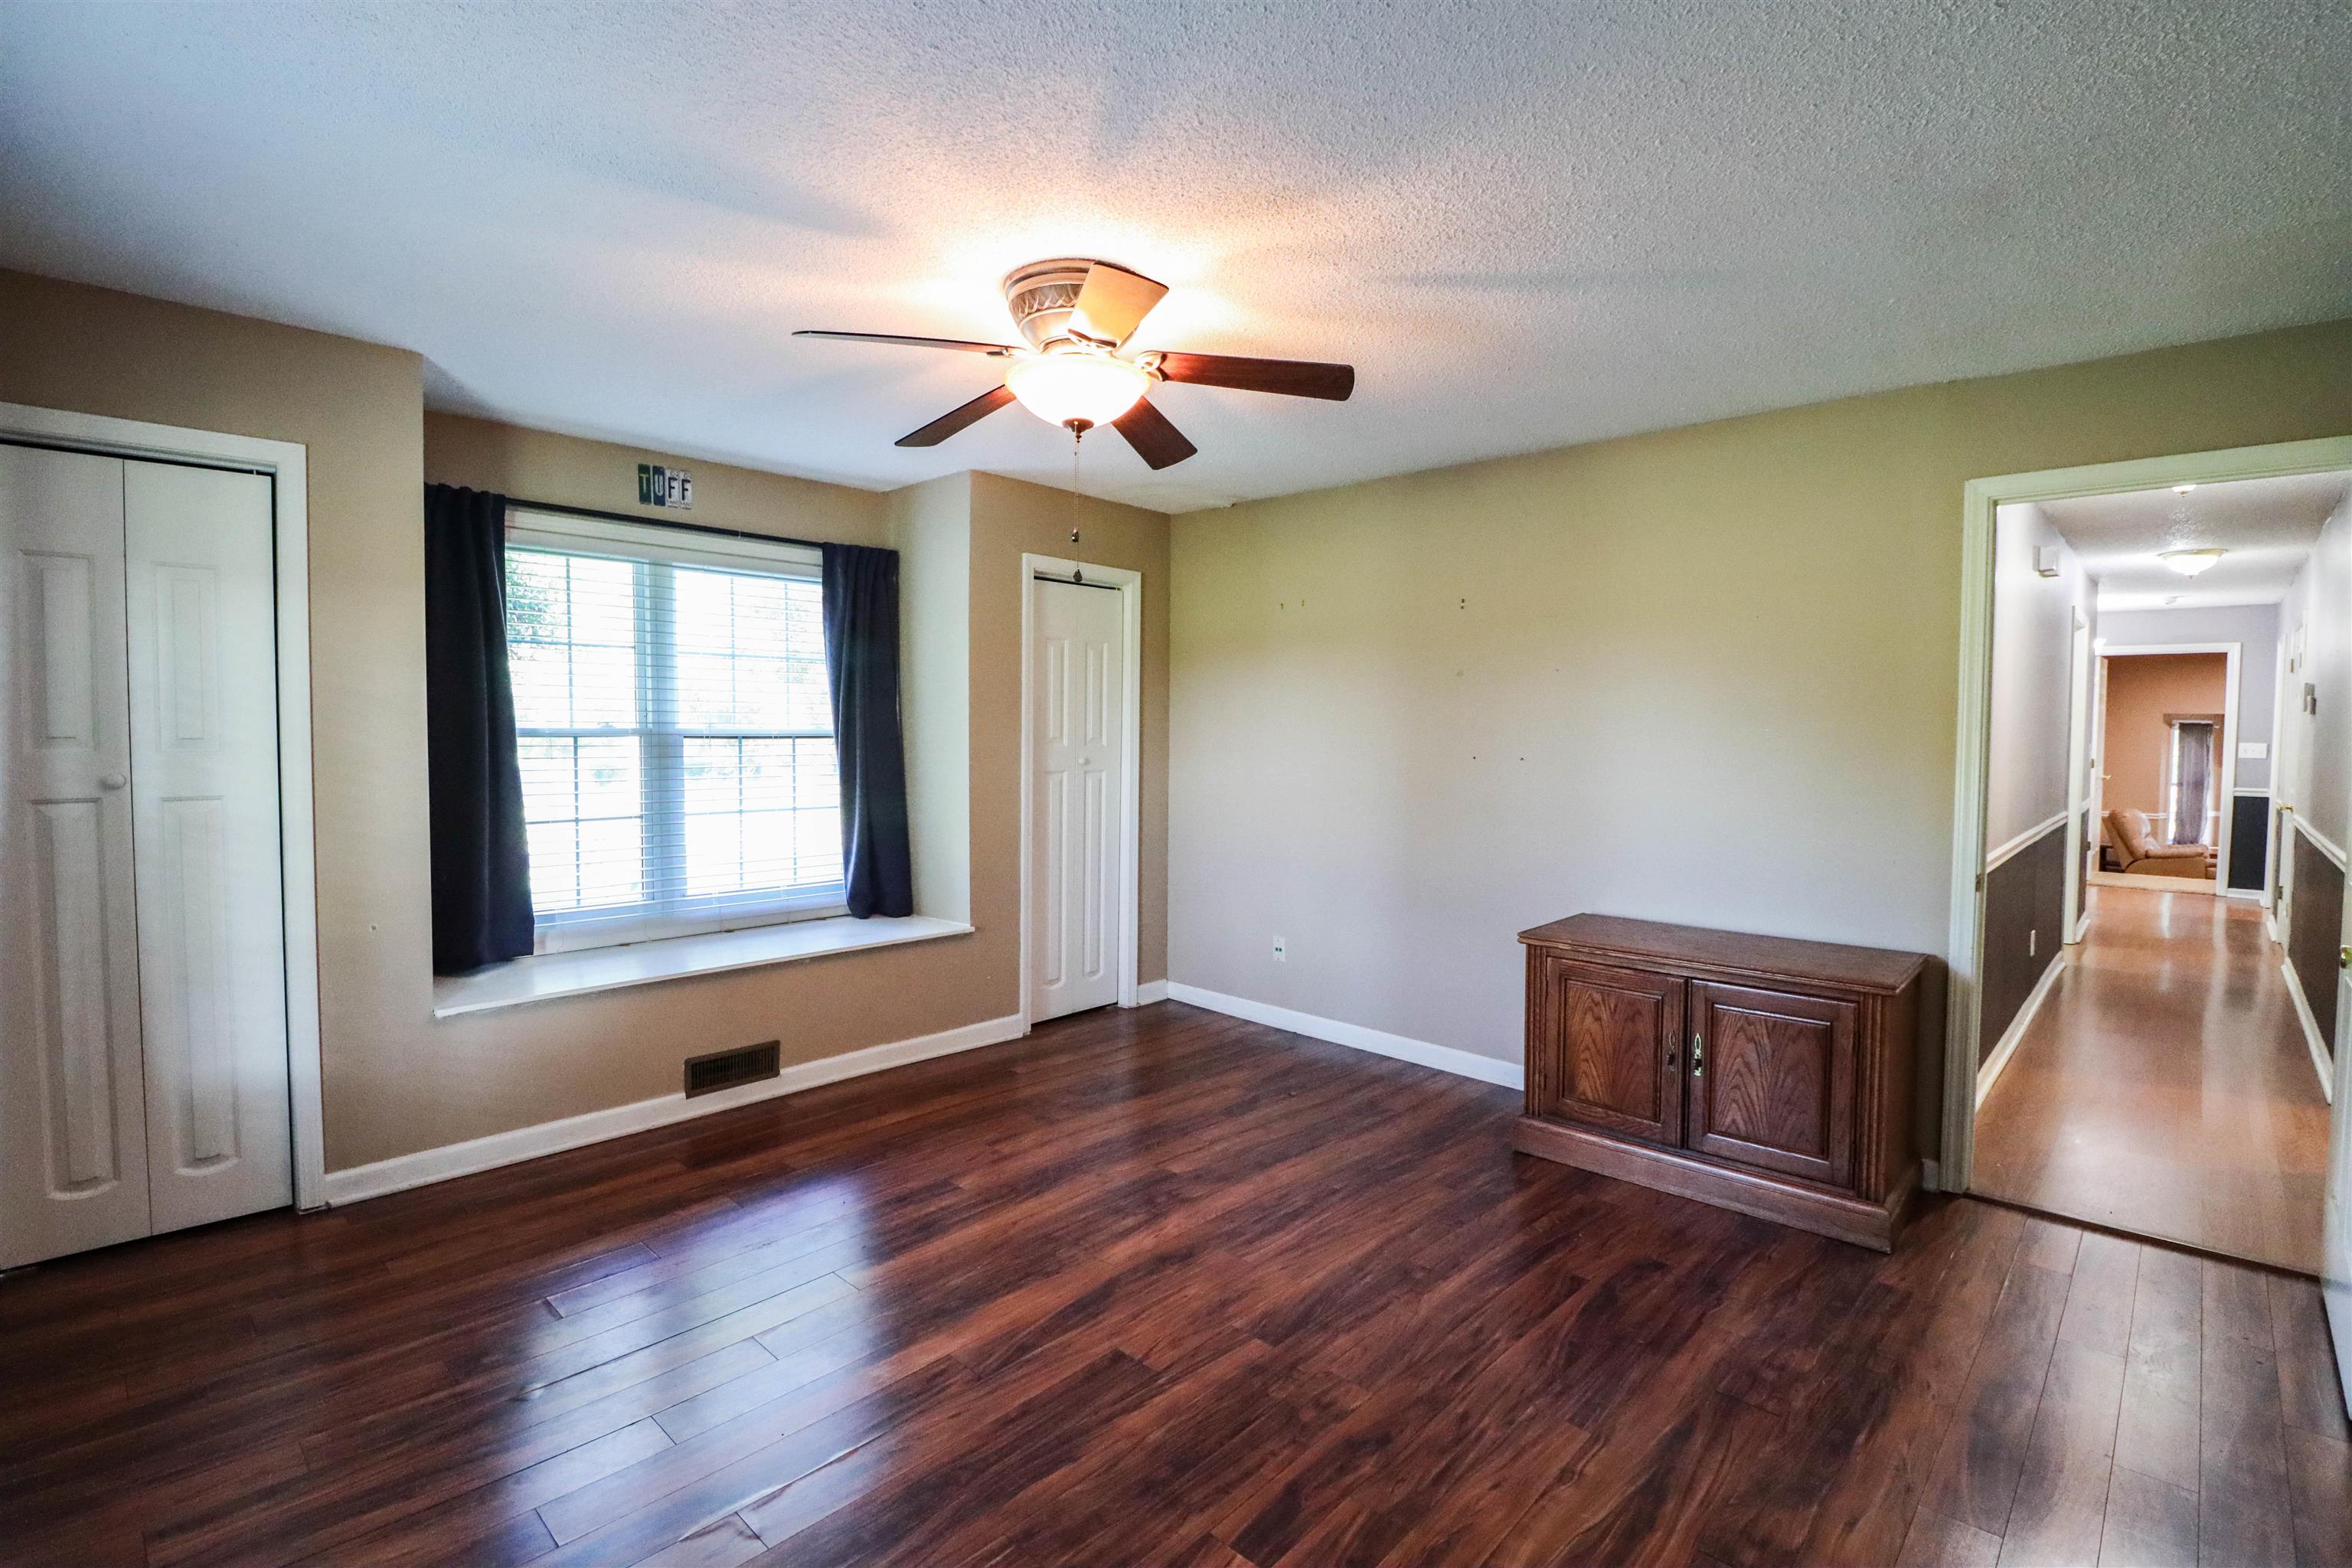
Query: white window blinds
<point>674,729</point>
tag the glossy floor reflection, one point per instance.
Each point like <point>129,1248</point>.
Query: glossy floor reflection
<point>1156,1287</point>
<point>2165,1088</point>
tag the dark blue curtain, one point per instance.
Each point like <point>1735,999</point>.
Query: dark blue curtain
<point>861,656</point>
<point>481,862</point>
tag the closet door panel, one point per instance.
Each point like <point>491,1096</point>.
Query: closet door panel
<point>204,802</point>
<point>73,1149</point>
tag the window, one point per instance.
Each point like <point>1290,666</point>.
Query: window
<point>674,728</point>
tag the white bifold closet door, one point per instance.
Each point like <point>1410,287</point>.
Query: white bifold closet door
<point>144,1081</point>
<point>1079,686</point>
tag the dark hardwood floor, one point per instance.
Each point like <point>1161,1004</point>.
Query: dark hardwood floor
<point>1158,1288</point>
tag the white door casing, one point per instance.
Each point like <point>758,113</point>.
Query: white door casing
<point>2336,1207</point>
<point>204,809</point>
<point>2081,833</point>
<point>1078,691</point>
<point>73,1143</point>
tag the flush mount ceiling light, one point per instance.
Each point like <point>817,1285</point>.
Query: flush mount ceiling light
<point>2189,563</point>
<point>1077,314</point>
<point>2182,490</point>
<point>1076,387</point>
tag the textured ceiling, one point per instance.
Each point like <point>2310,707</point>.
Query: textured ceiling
<point>2268,527</point>
<point>1527,225</point>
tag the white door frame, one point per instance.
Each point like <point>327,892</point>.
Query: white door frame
<point>1130,586</point>
<point>2228,780</point>
<point>1980,499</point>
<point>287,464</point>
<point>2081,660</point>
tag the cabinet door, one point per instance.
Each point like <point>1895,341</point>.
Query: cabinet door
<point>1771,1080</point>
<point>1605,1047</point>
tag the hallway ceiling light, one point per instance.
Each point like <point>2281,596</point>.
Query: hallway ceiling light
<point>2189,563</point>
<point>2182,490</point>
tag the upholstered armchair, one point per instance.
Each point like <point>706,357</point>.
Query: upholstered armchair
<point>2138,853</point>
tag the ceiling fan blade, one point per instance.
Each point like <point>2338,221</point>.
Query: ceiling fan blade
<point>955,419</point>
<point>1112,302</point>
<point>1158,442</point>
<point>1291,378</point>
<point>963,345</point>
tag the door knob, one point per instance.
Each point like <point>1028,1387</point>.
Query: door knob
<point>2344,958</point>
<point>111,781</point>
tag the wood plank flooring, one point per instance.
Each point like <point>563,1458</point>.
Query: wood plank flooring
<point>1159,1287</point>
<point>2165,1088</point>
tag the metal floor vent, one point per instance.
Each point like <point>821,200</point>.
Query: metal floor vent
<point>725,1069</point>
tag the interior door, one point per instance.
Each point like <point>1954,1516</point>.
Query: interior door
<point>73,1140</point>
<point>211,920</point>
<point>1771,1080</point>
<point>1608,1048</point>
<point>1077,685</point>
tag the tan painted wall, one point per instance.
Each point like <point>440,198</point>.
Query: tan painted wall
<point>358,409</point>
<point>1706,674</point>
<point>396,1081</point>
<point>2141,690</point>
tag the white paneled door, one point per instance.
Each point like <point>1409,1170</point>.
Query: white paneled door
<point>73,1127</point>
<point>143,1080</point>
<point>204,812</point>
<point>1078,683</point>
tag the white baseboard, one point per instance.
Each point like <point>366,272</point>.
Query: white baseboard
<point>1150,991</point>
<point>2321,1060</point>
<point>2006,1046</point>
<point>453,1160</point>
<point>1421,1053</point>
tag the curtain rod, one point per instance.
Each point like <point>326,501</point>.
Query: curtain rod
<point>529,505</point>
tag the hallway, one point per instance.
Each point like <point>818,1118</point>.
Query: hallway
<point>2165,1088</point>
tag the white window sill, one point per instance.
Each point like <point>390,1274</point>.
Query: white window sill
<point>550,976</point>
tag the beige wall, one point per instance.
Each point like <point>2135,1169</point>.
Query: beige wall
<point>1706,674</point>
<point>358,409</point>
<point>396,1081</point>
<point>2141,691</point>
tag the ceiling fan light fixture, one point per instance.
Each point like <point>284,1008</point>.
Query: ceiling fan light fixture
<point>2189,563</point>
<point>1076,387</point>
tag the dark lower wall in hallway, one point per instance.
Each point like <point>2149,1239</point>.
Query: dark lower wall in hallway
<point>2315,921</point>
<point>2025,904</point>
<point>2249,836</point>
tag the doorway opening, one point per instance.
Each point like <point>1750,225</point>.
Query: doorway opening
<point>2150,653</point>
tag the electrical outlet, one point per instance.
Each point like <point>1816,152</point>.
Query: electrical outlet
<point>1281,950</point>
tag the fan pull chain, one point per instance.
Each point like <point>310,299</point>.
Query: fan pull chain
<point>1077,442</point>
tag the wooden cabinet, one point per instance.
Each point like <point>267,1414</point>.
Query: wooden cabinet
<point>1765,1075</point>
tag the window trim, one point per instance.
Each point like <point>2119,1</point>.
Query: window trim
<point>645,545</point>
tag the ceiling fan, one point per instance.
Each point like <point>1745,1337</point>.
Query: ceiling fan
<point>1076,314</point>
